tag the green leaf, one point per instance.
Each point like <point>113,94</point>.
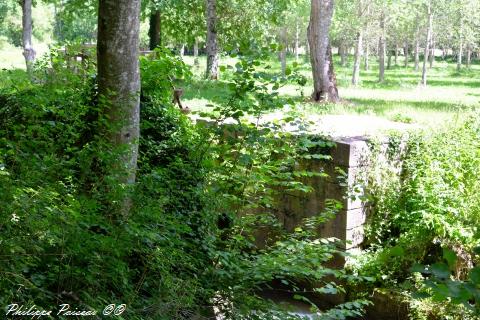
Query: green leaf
<point>476,250</point>
<point>420,295</point>
<point>418,268</point>
<point>237,114</point>
<point>475,275</point>
<point>440,270</point>
<point>397,252</point>
<point>450,257</point>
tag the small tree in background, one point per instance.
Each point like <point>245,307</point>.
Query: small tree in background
<point>324,80</point>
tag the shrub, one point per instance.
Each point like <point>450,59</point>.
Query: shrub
<point>430,208</point>
<point>187,243</point>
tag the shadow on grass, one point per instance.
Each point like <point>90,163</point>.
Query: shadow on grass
<point>402,82</point>
<point>454,83</point>
<point>214,91</point>
<point>380,106</point>
<point>396,83</point>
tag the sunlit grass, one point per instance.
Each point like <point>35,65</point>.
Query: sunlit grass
<point>11,57</point>
<point>400,98</point>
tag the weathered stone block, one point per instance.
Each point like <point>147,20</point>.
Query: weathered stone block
<point>357,217</point>
<point>351,152</point>
<point>354,237</point>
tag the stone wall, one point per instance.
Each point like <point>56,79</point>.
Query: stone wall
<point>350,155</point>
<point>353,156</point>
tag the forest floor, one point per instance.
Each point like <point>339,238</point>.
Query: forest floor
<point>449,94</point>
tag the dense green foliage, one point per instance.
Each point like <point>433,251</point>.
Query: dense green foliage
<point>426,210</point>
<point>200,198</point>
<point>204,237</point>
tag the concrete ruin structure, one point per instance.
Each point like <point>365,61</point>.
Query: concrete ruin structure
<point>343,180</point>
<point>348,156</point>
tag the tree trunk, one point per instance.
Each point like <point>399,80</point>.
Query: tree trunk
<point>297,39</point>
<point>460,56</point>
<point>343,54</point>
<point>324,80</point>
<point>28,51</point>
<point>389,61</point>
<point>119,88</point>
<point>382,49</point>
<point>396,54</point>
<point>469,56</point>
<point>427,44</point>
<point>406,54</point>
<point>367,61</point>
<point>283,52</point>
<point>155,30</point>
<point>358,57</point>
<point>195,52</point>
<point>212,46</point>
<point>182,50</point>
<point>432,53</point>
<point>417,54</point>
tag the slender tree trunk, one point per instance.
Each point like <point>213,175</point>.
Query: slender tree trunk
<point>406,53</point>
<point>155,30</point>
<point>396,54</point>
<point>283,52</point>
<point>382,49</point>
<point>324,80</point>
<point>195,52</point>
<point>343,54</point>
<point>212,45</point>
<point>417,52</point>
<point>389,60</point>
<point>469,56</point>
<point>460,56</point>
<point>297,39</point>
<point>427,44</point>
<point>366,64</point>
<point>181,51</point>
<point>119,86</point>
<point>432,53</point>
<point>358,57</point>
<point>57,30</point>
<point>28,51</point>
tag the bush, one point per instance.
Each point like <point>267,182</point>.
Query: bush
<point>430,208</point>
<point>58,243</point>
<point>187,243</point>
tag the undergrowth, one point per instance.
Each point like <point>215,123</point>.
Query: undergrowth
<point>188,244</point>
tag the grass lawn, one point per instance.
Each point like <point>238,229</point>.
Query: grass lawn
<point>399,98</point>
<point>11,57</point>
